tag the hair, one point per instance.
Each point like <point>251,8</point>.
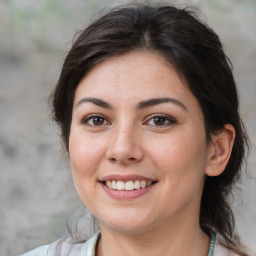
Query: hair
<point>195,51</point>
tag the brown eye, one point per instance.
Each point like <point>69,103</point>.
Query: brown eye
<point>95,120</point>
<point>98,120</point>
<point>159,120</point>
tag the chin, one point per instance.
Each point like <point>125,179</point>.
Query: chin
<point>127,228</point>
<point>124,223</point>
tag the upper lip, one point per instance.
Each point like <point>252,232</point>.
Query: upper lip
<point>125,177</point>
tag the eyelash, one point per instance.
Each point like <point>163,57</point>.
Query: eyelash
<point>104,121</point>
<point>164,117</point>
<point>87,119</point>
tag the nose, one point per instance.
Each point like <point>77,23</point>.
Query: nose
<point>125,147</point>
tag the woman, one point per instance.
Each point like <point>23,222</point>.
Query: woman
<point>148,111</point>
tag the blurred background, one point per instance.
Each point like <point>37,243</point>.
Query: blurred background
<point>36,191</point>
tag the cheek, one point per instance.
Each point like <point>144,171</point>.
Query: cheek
<point>180,156</point>
<point>85,153</point>
<point>181,161</point>
<point>85,156</point>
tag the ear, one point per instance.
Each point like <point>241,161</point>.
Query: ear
<point>220,150</point>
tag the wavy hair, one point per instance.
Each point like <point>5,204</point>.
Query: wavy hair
<point>197,54</point>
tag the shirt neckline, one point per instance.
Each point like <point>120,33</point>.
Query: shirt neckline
<point>89,247</point>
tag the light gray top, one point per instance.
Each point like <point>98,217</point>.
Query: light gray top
<point>64,247</point>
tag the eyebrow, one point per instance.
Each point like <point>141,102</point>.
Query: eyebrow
<point>96,101</point>
<point>156,101</point>
<point>140,105</point>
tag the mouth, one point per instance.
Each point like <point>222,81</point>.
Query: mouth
<point>129,185</point>
<point>126,187</point>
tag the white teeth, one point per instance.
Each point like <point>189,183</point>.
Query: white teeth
<point>128,185</point>
<point>109,184</point>
<point>137,184</point>
<point>120,185</point>
<point>114,184</point>
<point>143,184</point>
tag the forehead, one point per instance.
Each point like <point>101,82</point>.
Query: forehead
<point>140,72</point>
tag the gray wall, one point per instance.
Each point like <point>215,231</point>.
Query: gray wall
<point>36,191</point>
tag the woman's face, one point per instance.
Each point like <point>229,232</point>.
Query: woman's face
<point>137,144</point>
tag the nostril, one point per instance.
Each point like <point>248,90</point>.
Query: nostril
<point>132,159</point>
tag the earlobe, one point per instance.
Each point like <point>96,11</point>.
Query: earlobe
<point>220,150</point>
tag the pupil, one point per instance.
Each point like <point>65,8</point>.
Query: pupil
<point>159,121</point>
<point>98,121</point>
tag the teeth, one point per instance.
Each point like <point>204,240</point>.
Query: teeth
<point>109,184</point>
<point>143,184</point>
<point>120,185</point>
<point>128,185</point>
<point>137,184</point>
<point>114,184</point>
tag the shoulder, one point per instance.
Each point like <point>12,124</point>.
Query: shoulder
<point>63,246</point>
<point>66,247</point>
<point>40,251</point>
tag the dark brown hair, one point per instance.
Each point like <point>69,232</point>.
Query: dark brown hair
<point>197,54</point>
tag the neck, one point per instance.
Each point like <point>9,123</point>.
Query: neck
<point>169,239</point>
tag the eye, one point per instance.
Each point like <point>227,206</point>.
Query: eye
<point>160,120</point>
<point>95,120</point>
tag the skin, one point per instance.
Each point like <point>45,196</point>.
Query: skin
<point>128,140</point>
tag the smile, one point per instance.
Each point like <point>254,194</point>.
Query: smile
<point>128,185</point>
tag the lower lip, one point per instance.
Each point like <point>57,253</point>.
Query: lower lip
<point>126,194</point>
